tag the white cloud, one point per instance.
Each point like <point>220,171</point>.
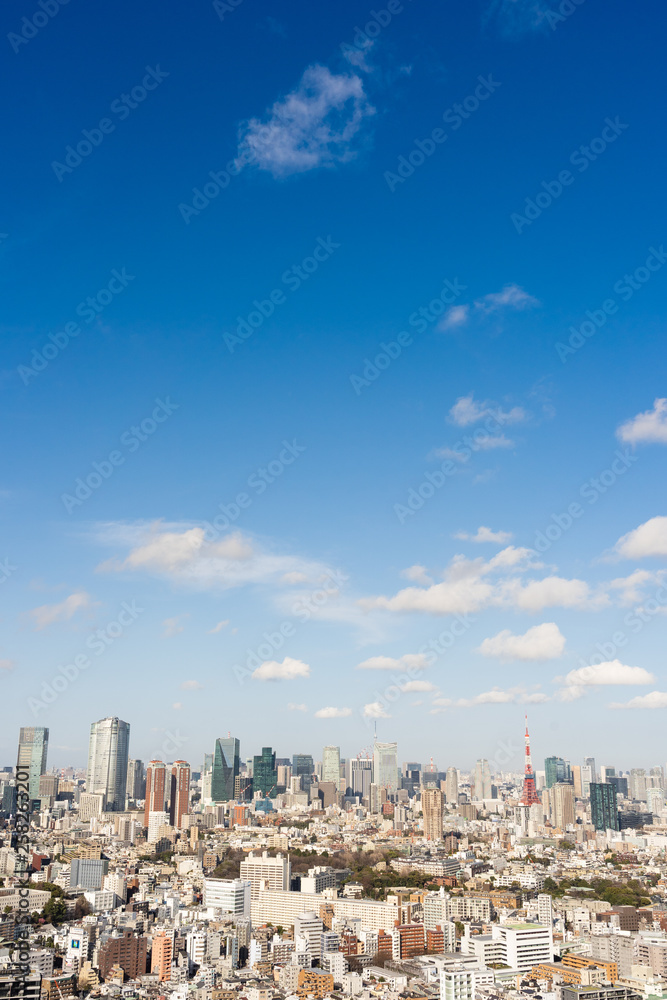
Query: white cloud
<point>656,699</point>
<point>605,674</point>
<point>471,584</point>
<point>315,125</point>
<point>454,317</point>
<point>288,670</point>
<point>180,553</point>
<point>333,713</point>
<point>219,627</point>
<point>191,686</point>
<point>541,642</point>
<point>512,296</point>
<point>292,707</point>
<point>496,696</point>
<point>410,660</point>
<point>292,579</point>
<point>49,614</point>
<point>172,626</point>
<point>177,705</point>
<point>649,427</point>
<point>631,589</point>
<point>649,539</point>
<point>466,411</point>
<point>415,687</point>
<point>375,710</point>
<point>485,535</point>
<point>417,574</point>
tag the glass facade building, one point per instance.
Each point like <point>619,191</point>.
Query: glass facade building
<point>33,748</point>
<point>265,773</point>
<point>225,769</point>
<point>604,808</point>
<point>108,755</point>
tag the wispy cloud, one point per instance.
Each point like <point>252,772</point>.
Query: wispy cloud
<point>485,535</point>
<point>219,627</point>
<point>173,626</point>
<point>292,707</point>
<point>515,18</point>
<point>467,411</point>
<point>191,686</point>
<point>415,660</point>
<point>511,297</point>
<point>315,125</point>
<point>49,614</point>
<point>496,696</point>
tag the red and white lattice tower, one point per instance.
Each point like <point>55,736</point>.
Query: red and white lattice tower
<point>529,796</point>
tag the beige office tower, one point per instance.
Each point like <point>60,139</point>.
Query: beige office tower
<point>331,765</point>
<point>482,779</point>
<point>577,779</point>
<point>432,807</point>
<point>452,785</point>
<point>562,805</point>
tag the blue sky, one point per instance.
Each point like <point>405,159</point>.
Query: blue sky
<point>496,166</point>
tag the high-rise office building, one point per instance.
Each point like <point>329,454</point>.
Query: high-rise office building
<point>156,788</point>
<point>385,766</point>
<point>587,775</point>
<point>432,808</point>
<point>561,797</point>
<point>180,792</point>
<point>265,773</point>
<point>302,767</point>
<point>32,752</point>
<point>331,764</point>
<point>452,786</point>
<point>556,770</point>
<point>482,779</point>
<point>136,783</point>
<point>225,769</point>
<point>108,754</point>
<point>638,784</point>
<point>577,780</point>
<point>604,807</point>
<point>359,776</point>
<point>590,762</point>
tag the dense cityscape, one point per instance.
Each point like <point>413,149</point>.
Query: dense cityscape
<point>268,878</point>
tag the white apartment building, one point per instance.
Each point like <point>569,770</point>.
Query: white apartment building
<point>308,926</point>
<point>457,983</point>
<point>525,945</point>
<point>282,908</point>
<point>264,872</point>
<point>228,895</point>
<point>335,963</point>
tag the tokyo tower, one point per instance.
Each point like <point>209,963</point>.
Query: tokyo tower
<point>529,796</point>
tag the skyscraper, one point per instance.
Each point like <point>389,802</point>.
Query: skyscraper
<point>556,770</point>
<point>331,764</point>
<point>590,762</point>
<point>432,807</point>
<point>180,792</point>
<point>604,808</point>
<point>482,779</point>
<point>156,789</point>
<point>359,776</point>
<point>33,748</point>
<point>302,767</point>
<point>385,766</point>
<point>452,785</point>
<point>136,785</point>
<point>225,769</point>
<point>562,799</point>
<point>265,773</point>
<point>108,754</point>
<point>638,784</point>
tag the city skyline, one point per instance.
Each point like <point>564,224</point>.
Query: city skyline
<point>362,423</point>
<point>511,758</point>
